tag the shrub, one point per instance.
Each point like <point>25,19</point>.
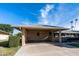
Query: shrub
<point>4,43</point>
<point>19,35</point>
<point>14,41</point>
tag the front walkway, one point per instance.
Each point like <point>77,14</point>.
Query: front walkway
<point>47,49</point>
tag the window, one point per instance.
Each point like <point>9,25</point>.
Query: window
<point>50,33</point>
<point>38,34</point>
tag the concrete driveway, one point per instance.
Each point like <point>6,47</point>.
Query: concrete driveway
<point>47,49</point>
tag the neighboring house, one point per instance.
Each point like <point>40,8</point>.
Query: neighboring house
<point>4,35</point>
<point>40,33</point>
<point>68,33</point>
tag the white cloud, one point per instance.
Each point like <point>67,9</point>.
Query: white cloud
<point>44,13</point>
<point>51,15</point>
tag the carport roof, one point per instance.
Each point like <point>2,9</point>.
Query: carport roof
<point>45,27</point>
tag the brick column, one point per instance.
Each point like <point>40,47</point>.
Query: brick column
<point>60,40</point>
<point>23,37</point>
<point>53,39</point>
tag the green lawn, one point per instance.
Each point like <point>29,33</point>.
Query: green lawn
<point>75,45</point>
<point>4,51</point>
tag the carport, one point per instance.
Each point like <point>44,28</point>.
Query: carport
<point>39,32</point>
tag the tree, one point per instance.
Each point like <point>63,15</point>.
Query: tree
<point>6,28</point>
<point>71,25</point>
<point>75,23</point>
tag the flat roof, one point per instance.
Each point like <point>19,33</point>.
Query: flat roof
<point>69,31</point>
<point>41,27</point>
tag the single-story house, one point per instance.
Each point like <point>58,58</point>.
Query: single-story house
<point>4,35</point>
<point>40,32</point>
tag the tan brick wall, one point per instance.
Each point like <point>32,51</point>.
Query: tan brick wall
<point>32,34</point>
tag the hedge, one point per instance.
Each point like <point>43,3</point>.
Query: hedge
<point>4,43</point>
<point>14,41</point>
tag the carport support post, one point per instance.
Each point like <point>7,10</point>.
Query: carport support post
<point>60,40</point>
<point>23,37</point>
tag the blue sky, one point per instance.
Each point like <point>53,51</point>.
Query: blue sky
<point>39,13</point>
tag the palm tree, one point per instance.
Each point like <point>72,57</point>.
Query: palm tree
<point>71,25</point>
<point>75,23</point>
